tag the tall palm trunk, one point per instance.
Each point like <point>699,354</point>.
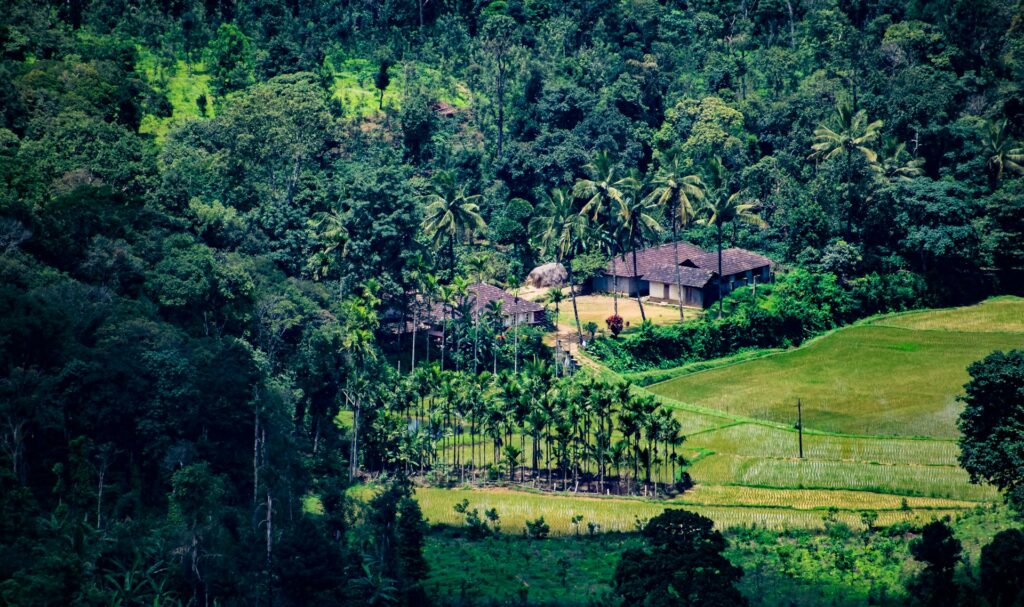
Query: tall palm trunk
<point>476,332</point>
<point>575,310</point>
<point>721,295</point>
<point>415,325</point>
<point>679,273</point>
<point>636,286</point>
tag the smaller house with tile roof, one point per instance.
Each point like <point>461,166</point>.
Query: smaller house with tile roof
<point>515,310</point>
<point>654,273</point>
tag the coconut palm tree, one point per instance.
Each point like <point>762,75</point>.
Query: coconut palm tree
<point>638,224</point>
<point>451,213</point>
<point>601,190</point>
<point>895,163</point>
<point>1002,151</point>
<point>721,208</point>
<point>334,237</point>
<point>561,232</point>
<point>675,190</point>
<point>848,133</point>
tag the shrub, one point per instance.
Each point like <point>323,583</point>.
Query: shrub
<point>537,529</point>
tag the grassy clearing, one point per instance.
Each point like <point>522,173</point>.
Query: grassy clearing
<point>354,85</point>
<point>596,308</point>
<point>927,481</point>
<point>623,514</point>
<point>996,315</point>
<point>861,380</point>
<point>755,440</point>
<point>181,85</point>
<point>646,378</point>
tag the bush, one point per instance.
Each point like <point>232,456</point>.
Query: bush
<point>537,529</point>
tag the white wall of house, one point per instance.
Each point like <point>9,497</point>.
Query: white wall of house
<point>692,296</point>
<point>523,318</point>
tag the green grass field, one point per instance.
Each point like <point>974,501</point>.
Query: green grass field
<point>897,376</point>
<point>354,85</point>
<point>997,315</point>
<point>182,85</point>
<point>728,507</point>
<point>879,414</point>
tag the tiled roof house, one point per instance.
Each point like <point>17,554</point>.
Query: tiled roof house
<point>655,273</point>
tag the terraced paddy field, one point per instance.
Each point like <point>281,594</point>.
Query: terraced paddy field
<point>896,376</point>
<point>728,507</point>
<point>879,402</point>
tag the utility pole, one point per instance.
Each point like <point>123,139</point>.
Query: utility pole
<point>800,427</point>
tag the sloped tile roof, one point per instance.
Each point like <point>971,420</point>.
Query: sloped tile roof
<point>485,294</point>
<point>734,261</point>
<point>689,277</point>
<point>650,258</point>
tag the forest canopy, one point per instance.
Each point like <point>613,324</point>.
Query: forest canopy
<point>218,217</point>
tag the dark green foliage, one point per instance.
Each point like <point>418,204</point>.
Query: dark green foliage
<point>1002,569</point>
<point>940,552</point>
<point>992,445</point>
<point>682,564</point>
<point>230,60</point>
<point>392,545</point>
<point>382,80</point>
<point>537,529</point>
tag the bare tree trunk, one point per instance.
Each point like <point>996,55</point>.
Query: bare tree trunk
<point>270,550</point>
<point>679,273</point>
<point>575,310</point>
<point>721,295</point>
<point>636,287</point>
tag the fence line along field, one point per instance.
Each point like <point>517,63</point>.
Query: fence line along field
<point>896,376</point>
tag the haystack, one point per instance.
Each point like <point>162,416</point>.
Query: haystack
<point>547,275</point>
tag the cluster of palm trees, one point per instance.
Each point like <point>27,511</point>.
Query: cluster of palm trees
<point>555,433</point>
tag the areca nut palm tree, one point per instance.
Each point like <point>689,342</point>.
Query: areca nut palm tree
<point>479,267</point>
<point>556,297</point>
<point>450,214</point>
<point>675,190</point>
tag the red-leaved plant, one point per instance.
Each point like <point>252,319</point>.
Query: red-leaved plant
<point>614,323</point>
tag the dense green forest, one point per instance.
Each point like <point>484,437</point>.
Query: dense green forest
<point>218,217</point>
